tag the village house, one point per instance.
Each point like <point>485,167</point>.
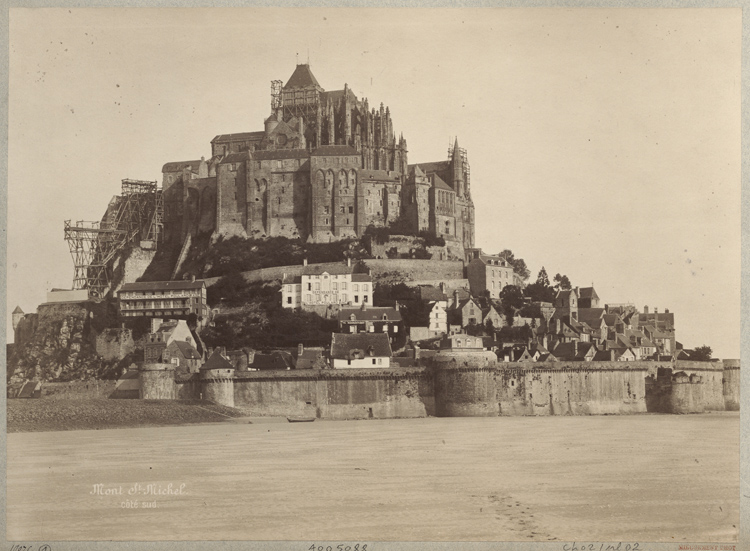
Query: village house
<point>462,343</point>
<point>464,312</point>
<point>371,319</point>
<point>322,285</point>
<point>163,299</point>
<point>488,273</point>
<point>183,356</point>
<point>162,335</point>
<point>360,350</point>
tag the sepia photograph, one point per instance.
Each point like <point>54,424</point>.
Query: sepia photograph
<point>349,277</point>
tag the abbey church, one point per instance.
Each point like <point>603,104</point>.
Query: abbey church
<point>325,167</point>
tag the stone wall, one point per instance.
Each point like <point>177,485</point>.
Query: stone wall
<point>327,394</point>
<point>731,385</point>
<point>470,384</point>
<point>406,269</point>
<point>157,382</point>
<point>473,386</point>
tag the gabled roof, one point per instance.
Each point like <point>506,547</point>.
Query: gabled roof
<point>217,361</point>
<point>309,356</point>
<point>240,137</point>
<point>591,316</point>
<point>429,168</point>
<point>462,303</point>
<point>163,285</point>
<point>177,166</point>
<point>278,359</point>
<point>330,150</point>
<point>587,292</point>
<point>372,313</point>
<point>18,310</point>
<point>335,95</point>
<point>343,343</point>
<point>431,293</point>
<point>438,183</point>
<point>302,77</point>
<point>187,350</point>
<point>236,157</point>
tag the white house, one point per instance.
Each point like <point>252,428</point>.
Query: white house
<point>323,284</point>
<point>360,350</point>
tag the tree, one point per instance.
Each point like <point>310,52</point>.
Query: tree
<point>511,298</point>
<point>519,265</point>
<point>562,282</point>
<point>542,278</point>
<point>702,354</point>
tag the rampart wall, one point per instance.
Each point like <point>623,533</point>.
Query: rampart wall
<point>473,385</point>
<point>408,270</point>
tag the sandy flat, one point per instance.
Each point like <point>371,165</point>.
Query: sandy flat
<point>642,477</point>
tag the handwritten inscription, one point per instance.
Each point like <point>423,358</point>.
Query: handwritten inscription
<point>620,546</point>
<point>19,547</point>
<point>339,547</point>
<point>139,489</point>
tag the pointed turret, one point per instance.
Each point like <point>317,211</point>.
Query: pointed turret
<point>458,170</point>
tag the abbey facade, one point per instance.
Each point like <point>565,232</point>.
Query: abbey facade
<point>324,168</point>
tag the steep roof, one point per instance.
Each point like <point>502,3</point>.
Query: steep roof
<point>429,292</point>
<point>359,277</point>
<point>343,343</point>
<point>240,137</point>
<point>217,361</point>
<point>591,316</point>
<point>330,150</point>
<point>371,313</point>
<point>301,78</point>
<point>429,168</point>
<point>335,95</point>
<point>438,182</point>
<point>187,350</point>
<point>18,310</point>
<point>236,157</point>
<point>163,285</point>
<point>587,292</point>
<point>177,166</point>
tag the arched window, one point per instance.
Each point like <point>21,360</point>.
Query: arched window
<point>352,178</point>
<point>320,179</point>
<point>342,180</point>
<point>329,180</point>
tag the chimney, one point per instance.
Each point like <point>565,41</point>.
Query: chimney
<point>348,261</point>
<point>364,306</point>
<point>192,278</point>
<point>656,311</point>
<point>300,349</point>
<point>611,354</point>
<point>557,325</point>
<point>155,324</point>
<point>575,348</point>
<point>304,261</point>
<point>666,310</point>
<point>645,309</point>
<point>396,306</point>
<point>455,297</point>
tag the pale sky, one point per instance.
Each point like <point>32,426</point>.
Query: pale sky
<point>604,143</point>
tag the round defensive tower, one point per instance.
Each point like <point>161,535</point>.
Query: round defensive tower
<point>156,382</point>
<point>217,378</point>
<point>731,385</point>
<point>465,385</point>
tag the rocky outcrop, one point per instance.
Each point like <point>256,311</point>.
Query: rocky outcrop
<point>58,343</point>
